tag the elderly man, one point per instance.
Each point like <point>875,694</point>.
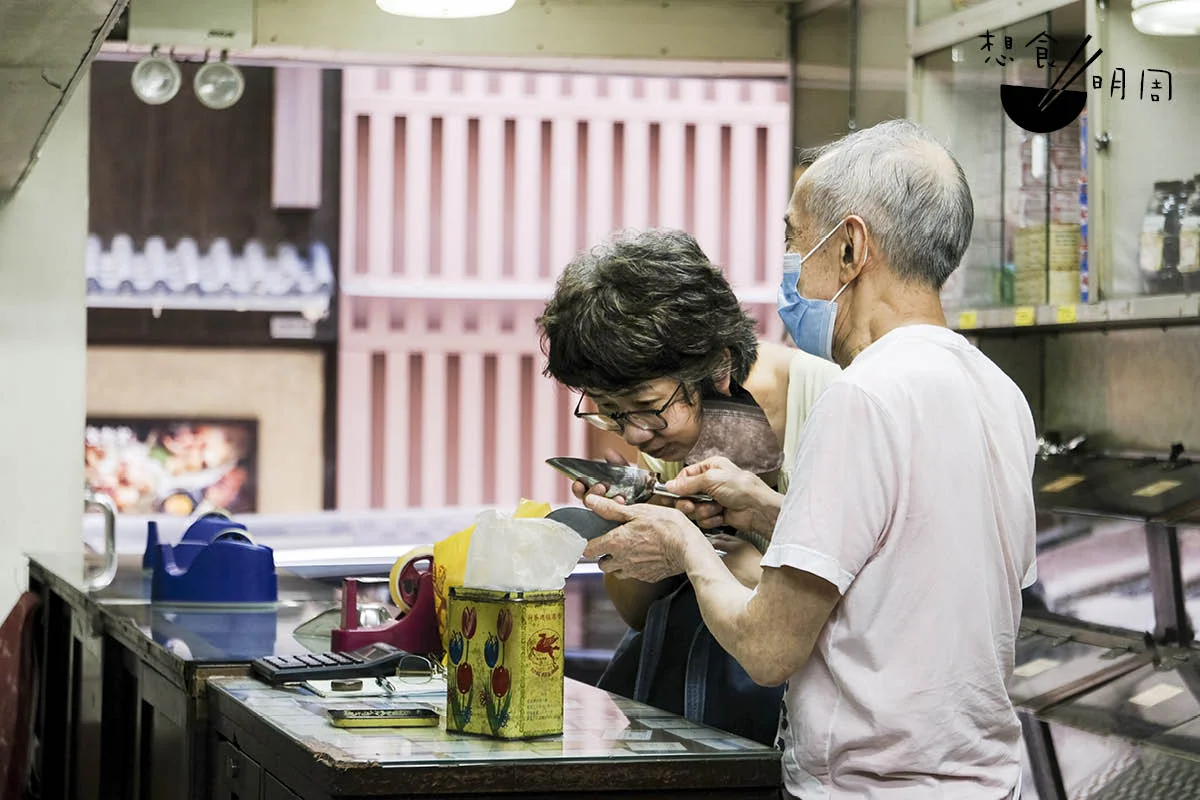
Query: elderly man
<point>891,590</point>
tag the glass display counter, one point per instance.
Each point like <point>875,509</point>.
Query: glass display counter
<point>1106,671</point>
<point>1118,541</point>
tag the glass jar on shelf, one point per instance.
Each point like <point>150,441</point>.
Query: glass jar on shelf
<point>1158,246</point>
<point>1189,238</point>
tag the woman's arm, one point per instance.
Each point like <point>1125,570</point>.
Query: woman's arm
<point>633,599</point>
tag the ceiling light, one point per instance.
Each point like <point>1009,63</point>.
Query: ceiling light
<point>155,79</point>
<point>445,9</point>
<point>218,84</point>
<point>1167,17</point>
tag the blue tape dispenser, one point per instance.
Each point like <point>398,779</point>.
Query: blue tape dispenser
<point>215,562</point>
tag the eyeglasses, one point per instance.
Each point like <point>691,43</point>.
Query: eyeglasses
<point>646,420</point>
<point>412,671</point>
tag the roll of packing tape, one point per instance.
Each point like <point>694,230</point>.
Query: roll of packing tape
<point>234,534</point>
<point>404,577</point>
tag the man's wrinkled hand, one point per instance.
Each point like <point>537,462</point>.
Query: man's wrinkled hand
<point>648,546</point>
<point>741,498</point>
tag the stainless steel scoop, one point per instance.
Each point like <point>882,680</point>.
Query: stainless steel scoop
<point>635,485</point>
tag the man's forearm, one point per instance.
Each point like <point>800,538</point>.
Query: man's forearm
<point>724,602</point>
<point>766,513</point>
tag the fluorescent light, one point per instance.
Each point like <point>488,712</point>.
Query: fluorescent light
<point>1167,17</point>
<point>445,9</point>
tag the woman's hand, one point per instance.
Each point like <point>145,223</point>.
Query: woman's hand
<point>742,500</point>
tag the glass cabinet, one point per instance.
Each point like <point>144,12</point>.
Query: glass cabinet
<point>1095,219</point>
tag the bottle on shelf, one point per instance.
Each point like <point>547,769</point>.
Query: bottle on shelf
<point>1189,238</point>
<point>1158,251</point>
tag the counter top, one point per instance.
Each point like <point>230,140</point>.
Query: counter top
<point>181,639</point>
<point>608,741</point>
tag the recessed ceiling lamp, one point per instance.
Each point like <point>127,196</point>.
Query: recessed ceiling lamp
<point>1167,17</point>
<point>219,84</point>
<point>155,79</point>
<point>445,9</point>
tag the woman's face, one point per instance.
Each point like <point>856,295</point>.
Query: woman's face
<point>671,443</point>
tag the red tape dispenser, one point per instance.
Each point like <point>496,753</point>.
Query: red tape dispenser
<point>416,630</point>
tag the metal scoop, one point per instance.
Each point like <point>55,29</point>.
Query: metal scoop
<point>635,485</point>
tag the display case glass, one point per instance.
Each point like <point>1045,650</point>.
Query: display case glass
<point>1119,543</point>
<point>1042,238</point>
<point>1147,220</point>
<point>1026,248</point>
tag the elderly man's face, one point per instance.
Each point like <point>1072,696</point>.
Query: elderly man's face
<point>819,273</point>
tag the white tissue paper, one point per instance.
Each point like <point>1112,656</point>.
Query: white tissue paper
<point>521,555</point>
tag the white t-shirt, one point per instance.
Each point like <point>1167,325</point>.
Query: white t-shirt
<point>912,494</point>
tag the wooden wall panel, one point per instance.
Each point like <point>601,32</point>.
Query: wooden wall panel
<point>467,193</point>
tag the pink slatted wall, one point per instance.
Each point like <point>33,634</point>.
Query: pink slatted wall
<point>464,193</point>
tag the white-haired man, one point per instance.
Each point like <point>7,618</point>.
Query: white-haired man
<point>891,591</point>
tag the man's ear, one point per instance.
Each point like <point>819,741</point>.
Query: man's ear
<point>854,249</point>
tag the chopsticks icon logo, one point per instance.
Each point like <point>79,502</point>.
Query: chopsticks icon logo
<point>1047,110</point>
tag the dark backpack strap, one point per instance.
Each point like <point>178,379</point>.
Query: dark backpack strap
<point>695,684</point>
<point>654,636</point>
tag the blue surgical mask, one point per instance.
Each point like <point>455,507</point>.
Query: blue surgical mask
<point>810,322</point>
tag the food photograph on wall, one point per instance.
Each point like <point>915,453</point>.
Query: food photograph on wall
<point>173,466</point>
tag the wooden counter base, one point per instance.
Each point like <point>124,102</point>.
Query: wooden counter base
<point>611,748</point>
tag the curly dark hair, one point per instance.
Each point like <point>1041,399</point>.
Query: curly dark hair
<point>645,305</point>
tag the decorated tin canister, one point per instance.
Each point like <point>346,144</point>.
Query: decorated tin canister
<point>504,658</point>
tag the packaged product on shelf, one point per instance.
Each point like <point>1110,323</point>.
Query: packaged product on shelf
<point>1158,247</point>
<point>1189,240</point>
<point>1084,287</point>
<point>1083,142</point>
<point>1064,287</point>
<point>1084,280</point>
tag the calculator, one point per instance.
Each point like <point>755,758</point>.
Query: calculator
<point>373,661</point>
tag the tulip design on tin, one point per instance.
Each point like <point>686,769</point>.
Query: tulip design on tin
<point>459,650</point>
<point>497,700</point>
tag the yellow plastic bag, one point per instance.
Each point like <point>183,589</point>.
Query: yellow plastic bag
<point>450,561</point>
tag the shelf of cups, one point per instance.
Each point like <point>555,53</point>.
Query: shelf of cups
<point>314,306</point>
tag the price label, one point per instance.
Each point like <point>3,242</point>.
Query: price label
<point>1156,488</point>
<point>967,320</point>
<point>1065,315</point>
<point>1025,315</point>
<point>1160,693</point>
<point>1063,483</point>
<point>288,327</point>
<point>628,735</point>
<point>1035,667</point>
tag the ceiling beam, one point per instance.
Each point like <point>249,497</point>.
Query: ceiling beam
<point>45,50</point>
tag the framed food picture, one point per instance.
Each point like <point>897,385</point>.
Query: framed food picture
<point>173,466</point>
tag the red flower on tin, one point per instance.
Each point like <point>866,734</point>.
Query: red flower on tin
<point>501,681</point>
<point>468,621</point>
<point>464,677</point>
<point>504,623</point>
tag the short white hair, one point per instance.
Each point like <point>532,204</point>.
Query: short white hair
<point>907,187</point>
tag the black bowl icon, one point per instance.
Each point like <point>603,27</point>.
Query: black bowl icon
<point>1021,104</point>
